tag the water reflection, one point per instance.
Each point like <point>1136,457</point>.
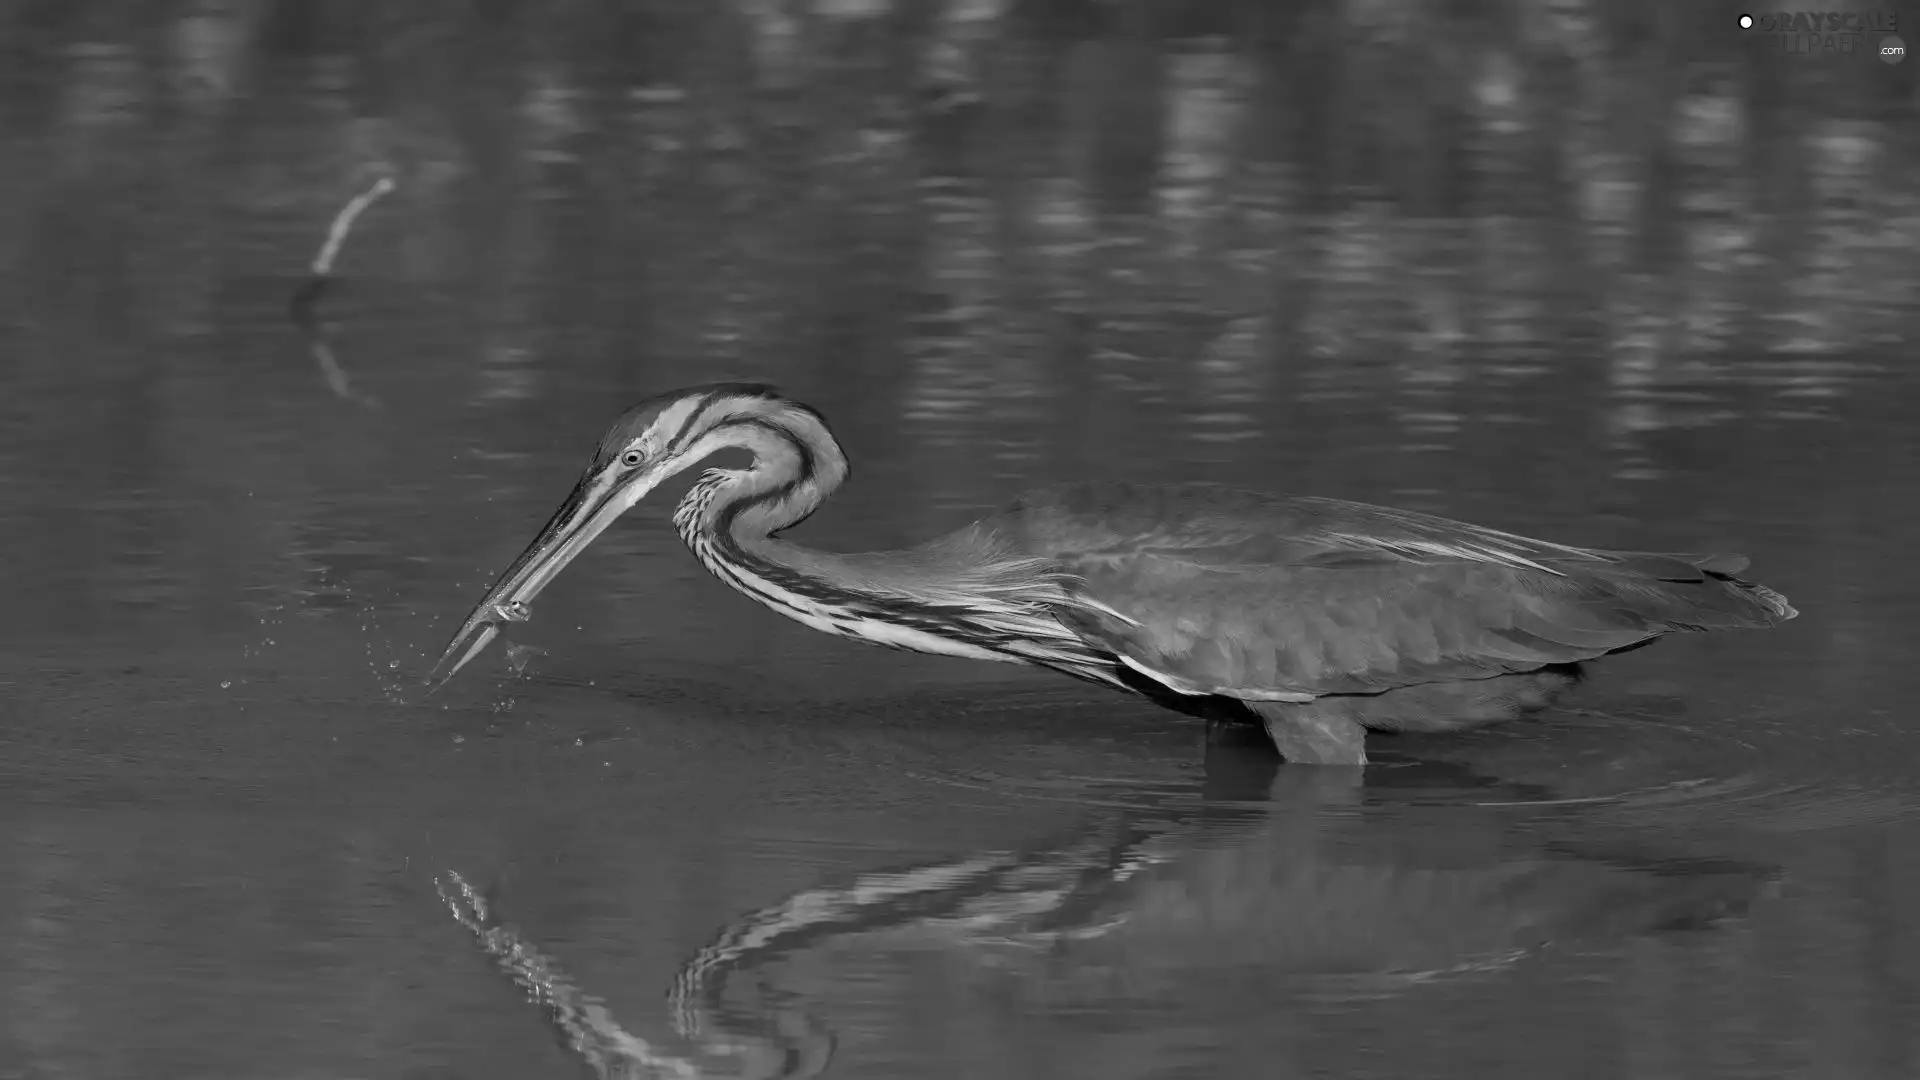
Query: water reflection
<point>320,275</point>
<point>1290,882</point>
<point>793,1047</point>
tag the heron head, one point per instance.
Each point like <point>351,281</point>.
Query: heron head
<point>649,443</point>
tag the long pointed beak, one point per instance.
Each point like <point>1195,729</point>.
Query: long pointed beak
<point>595,502</point>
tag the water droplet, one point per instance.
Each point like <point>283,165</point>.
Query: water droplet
<point>519,656</point>
<point>393,665</point>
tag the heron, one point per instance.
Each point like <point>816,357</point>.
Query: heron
<point>1317,618</point>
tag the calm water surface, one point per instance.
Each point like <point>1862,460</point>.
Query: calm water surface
<point>235,833</point>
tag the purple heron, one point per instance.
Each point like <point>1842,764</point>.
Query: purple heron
<point>1317,618</point>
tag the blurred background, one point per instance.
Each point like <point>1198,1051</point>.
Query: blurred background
<point>1611,273</point>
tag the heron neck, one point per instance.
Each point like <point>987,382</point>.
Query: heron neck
<point>964,595</point>
<point>889,576</point>
<point>730,526</point>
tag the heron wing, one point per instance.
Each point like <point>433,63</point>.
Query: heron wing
<point>1217,591</point>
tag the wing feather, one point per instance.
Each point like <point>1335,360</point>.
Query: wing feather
<point>1213,590</point>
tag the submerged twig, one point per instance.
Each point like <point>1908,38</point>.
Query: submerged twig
<point>320,274</point>
<point>320,271</point>
<point>343,222</point>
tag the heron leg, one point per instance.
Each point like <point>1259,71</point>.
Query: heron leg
<point>1308,735</point>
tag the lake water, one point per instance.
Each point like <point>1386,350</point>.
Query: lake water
<point>995,249</point>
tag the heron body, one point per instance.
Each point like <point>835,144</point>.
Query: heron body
<point>1315,617</point>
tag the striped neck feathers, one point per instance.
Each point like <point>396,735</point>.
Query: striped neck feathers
<point>960,596</point>
<point>797,463</point>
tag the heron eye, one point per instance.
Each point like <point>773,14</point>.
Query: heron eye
<point>631,459</point>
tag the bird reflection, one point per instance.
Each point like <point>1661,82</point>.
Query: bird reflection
<point>786,1044</point>
<point>1313,884</point>
<point>1331,880</point>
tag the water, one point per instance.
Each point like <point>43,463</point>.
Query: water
<point>995,248</point>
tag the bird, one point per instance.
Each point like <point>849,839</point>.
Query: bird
<point>1315,618</point>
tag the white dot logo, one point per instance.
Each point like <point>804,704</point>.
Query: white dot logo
<point>1746,22</point>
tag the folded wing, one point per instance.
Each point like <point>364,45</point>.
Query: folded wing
<point>1217,591</point>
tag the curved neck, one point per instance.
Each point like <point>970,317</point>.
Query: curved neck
<point>964,595</point>
<point>797,463</point>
